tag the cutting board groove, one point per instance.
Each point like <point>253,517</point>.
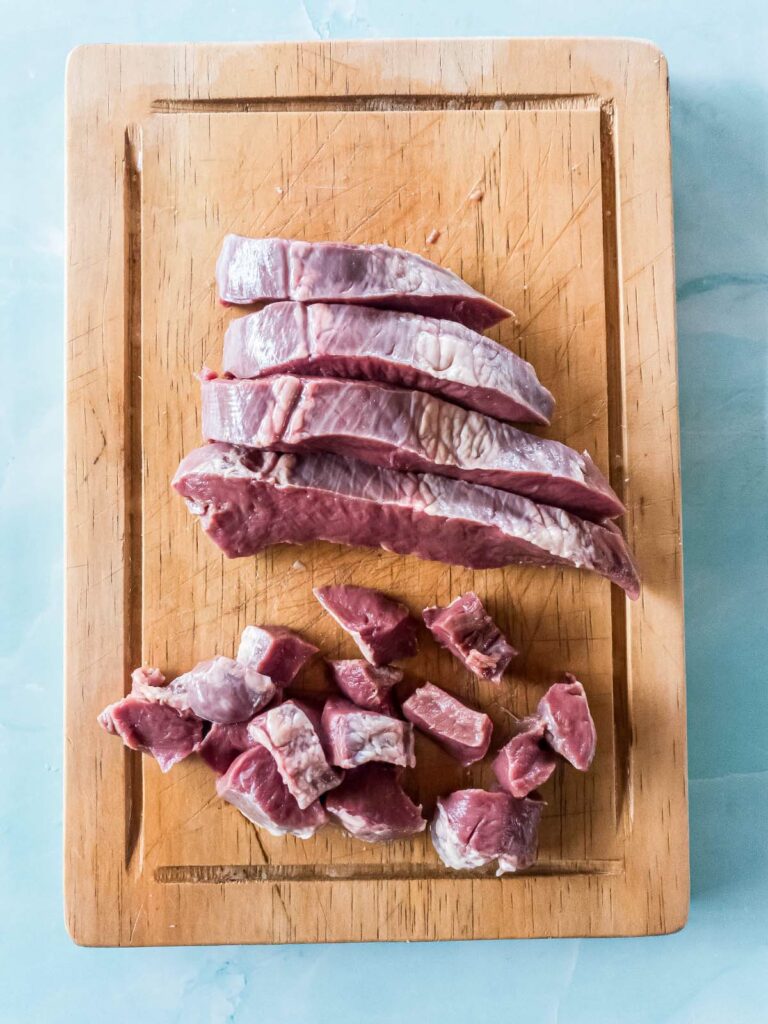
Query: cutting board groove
<point>300,139</point>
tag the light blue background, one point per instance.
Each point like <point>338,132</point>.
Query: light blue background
<point>716,969</point>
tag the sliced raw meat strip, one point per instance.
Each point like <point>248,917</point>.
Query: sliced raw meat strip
<point>468,631</point>
<point>361,343</point>
<point>354,736</point>
<point>156,729</point>
<point>464,733</point>
<point>223,743</point>
<point>218,690</point>
<point>382,628</point>
<point>526,762</point>
<point>253,785</point>
<point>289,733</point>
<point>406,430</point>
<point>248,500</point>
<point>268,269</point>
<point>472,827</point>
<point>275,651</point>
<point>366,685</point>
<point>568,723</point>
<point>372,805</point>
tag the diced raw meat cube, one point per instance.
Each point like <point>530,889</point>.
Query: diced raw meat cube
<point>468,631</point>
<point>253,785</point>
<point>472,827</point>
<point>268,269</point>
<point>218,690</point>
<point>569,726</point>
<point>527,761</point>
<point>355,736</point>
<point>366,685</point>
<point>372,805</point>
<point>362,343</point>
<point>275,651</point>
<point>382,628</point>
<point>166,734</point>
<point>248,500</point>
<point>223,743</point>
<point>464,733</point>
<point>290,735</point>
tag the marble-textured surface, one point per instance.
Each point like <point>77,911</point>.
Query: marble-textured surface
<point>716,970</point>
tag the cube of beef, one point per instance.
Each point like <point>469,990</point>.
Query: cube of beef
<point>468,631</point>
<point>382,628</point>
<point>253,785</point>
<point>290,733</point>
<point>372,805</point>
<point>527,761</point>
<point>155,729</point>
<point>569,727</point>
<point>366,685</point>
<point>355,736</point>
<point>274,651</point>
<point>472,827</point>
<point>223,743</point>
<point>463,732</point>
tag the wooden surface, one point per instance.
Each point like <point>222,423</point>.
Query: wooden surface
<point>544,166</point>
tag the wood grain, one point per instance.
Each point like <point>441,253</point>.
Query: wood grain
<point>538,164</point>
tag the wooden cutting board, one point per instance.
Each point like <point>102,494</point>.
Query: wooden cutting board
<point>537,169</point>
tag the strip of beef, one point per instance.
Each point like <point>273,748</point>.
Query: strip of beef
<point>469,633</point>
<point>275,651</point>
<point>223,743</point>
<point>366,685</point>
<point>354,736</point>
<point>269,269</point>
<point>155,729</point>
<point>248,500</point>
<point>382,628</point>
<point>372,805</point>
<point>471,828</point>
<point>407,430</point>
<point>219,690</point>
<point>253,785</point>
<point>360,343</point>
<point>290,733</point>
<point>568,722</point>
<point>527,761</point>
<point>463,732</point>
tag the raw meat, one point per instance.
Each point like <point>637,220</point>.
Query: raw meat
<point>464,733</point>
<point>144,677</point>
<point>354,736</point>
<point>274,651</point>
<point>248,500</point>
<point>223,743</point>
<point>218,690</point>
<point>253,785</point>
<point>372,805</point>
<point>166,734</point>
<point>468,631</point>
<point>289,733</point>
<point>382,628</point>
<point>366,685</point>
<point>569,726</point>
<point>472,827</point>
<point>406,430</point>
<point>361,343</point>
<point>268,269</point>
<point>526,762</point>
